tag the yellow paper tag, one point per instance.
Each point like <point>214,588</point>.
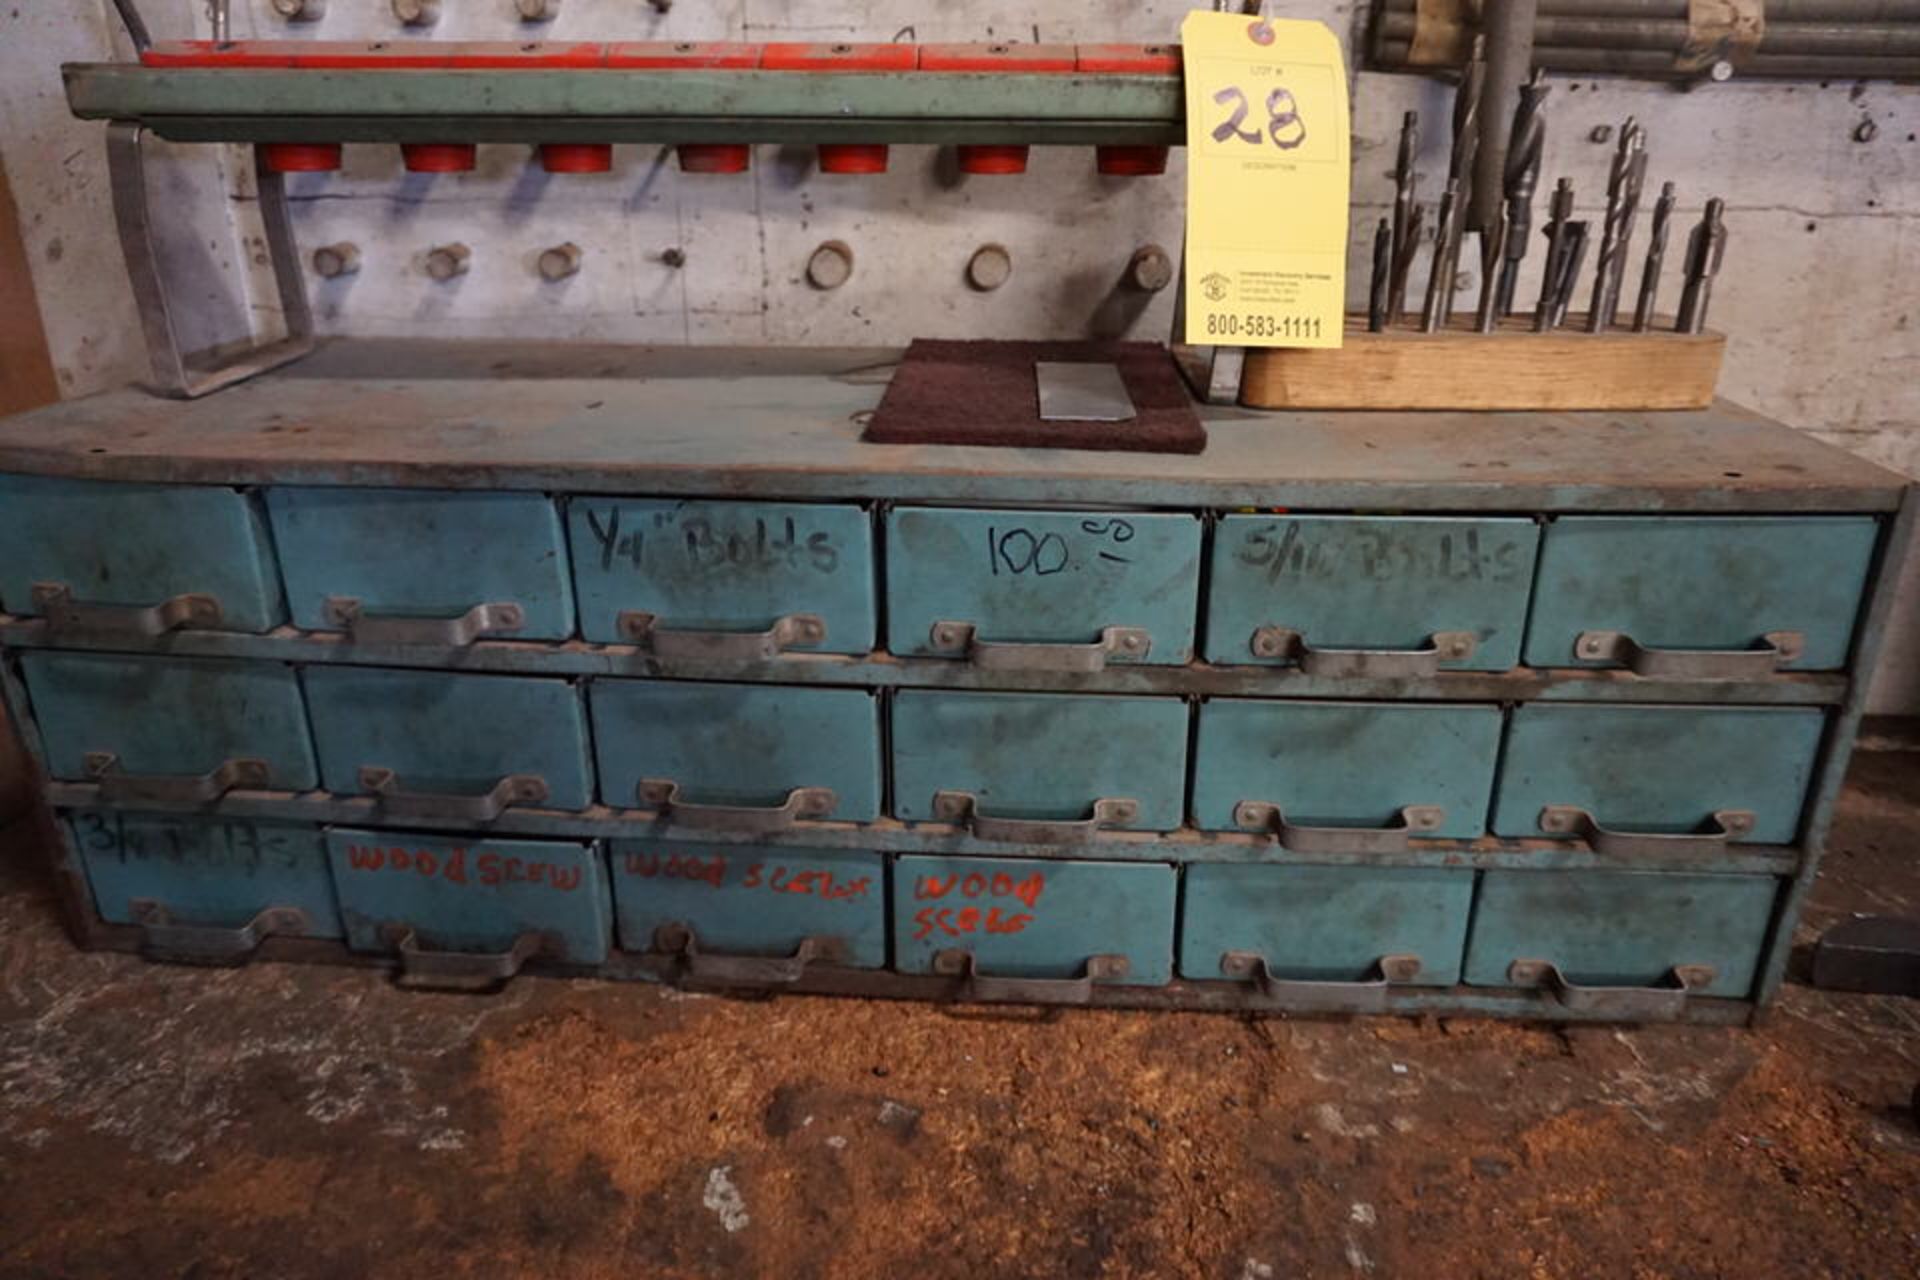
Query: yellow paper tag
<point>1267,174</point>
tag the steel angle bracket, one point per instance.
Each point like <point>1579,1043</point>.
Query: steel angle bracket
<point>174,373</point>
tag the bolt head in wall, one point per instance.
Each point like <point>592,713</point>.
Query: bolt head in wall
<point>332,261</point>
<point>447,261</point>
<point>301,10</point>
<point>537,10</point>
<point>559,262</point>
<point>1151,270</point>
<point>830,265</point>
<point>417,13</point>
<point>990,267</point>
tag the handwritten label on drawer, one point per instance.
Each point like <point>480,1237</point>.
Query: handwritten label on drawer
<point>975,902</point>
<point>703,542</point>
<point>457,865</point>
<point>243,846</point>
<point>1385,551</point>
<point>757,876</point>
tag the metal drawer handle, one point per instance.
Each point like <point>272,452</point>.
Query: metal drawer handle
<point>477,623</point>
<point>1362,664</point>
<point>679,940</point>
<point>1369,995</point>
<point>663,796</point>
<point>1133,643</point>
<point>117,787</point>
<point>1412,820</point>
<point>1665,999</point>
<point>476,972</point>
<point>790,631</point>
<point>962,808</point>
<point>68,616</point>
<point>975,985</point>
<point>163,939</point>
<point>1571,820</point>
<point>514,789</point>
<point>1776,649</point>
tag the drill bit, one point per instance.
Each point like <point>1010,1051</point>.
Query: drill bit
<point>1405,181</point>
<point>1440,278</point>
<point>1466,144</point>
<point>1382,271</point>
<point>1656,257</point>
<point>1623,199</point>
<point>1576,253</point>
<point>1705,248</point>
<point>1403,264</point>
<point>1559,208</point>
<point>1493,251</point>
<point>1522,175</point>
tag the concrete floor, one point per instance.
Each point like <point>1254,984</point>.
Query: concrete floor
<point>304,1122</point>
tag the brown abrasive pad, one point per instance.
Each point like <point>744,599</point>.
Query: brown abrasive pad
<point>982,393</point>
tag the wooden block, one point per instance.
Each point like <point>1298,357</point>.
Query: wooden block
<point>1513,368</point>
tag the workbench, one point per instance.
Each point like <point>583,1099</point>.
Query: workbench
<point>480,659</point>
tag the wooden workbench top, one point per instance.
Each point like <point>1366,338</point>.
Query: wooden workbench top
<point>787,424</point>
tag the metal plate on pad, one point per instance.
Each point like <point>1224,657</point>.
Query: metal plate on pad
<point>1081,391</point>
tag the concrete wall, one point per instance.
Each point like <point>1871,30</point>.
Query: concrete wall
<point>1817,294</point>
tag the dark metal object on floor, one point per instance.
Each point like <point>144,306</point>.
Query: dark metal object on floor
<point>1878,954</point>
<point>1378,288</point>
<point>1705,249</point>
<point>1522,176</point>
<point>1656,258</point>
<point>1559,209</point>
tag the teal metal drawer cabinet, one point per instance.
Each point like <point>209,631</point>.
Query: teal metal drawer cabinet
<point>1510,714</point>
<point>135,560</point>
<point>1703,597</point>
<point>1370,595</point>
<point>204,889</point>
<point>1633,943</point>
<point>1024,929</point>
<point>1639,780</point>
<point>1344,776</point>
<point>1042,590</point>
<point>737,757</point>
<point>1342,934</point>
<point>462,911</point>
<point>423,566</point>
<point>1039,768</point>
<point>723,581</point>
<point>750,913</point>
<point>169,730</point>
<point>436,746</point>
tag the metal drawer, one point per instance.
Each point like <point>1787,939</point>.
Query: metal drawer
<point>1026,929</point>
<point>1042,590</point>
<point>169,730</point>
<point>1345,776</point>
<point>1651,779</point>
<point>723,580</point>
<point>136,560</point>
<point>423,566</point>
<point>206,889</point>
<point>466,912</point>
<point>750,913</point>
<point>446,746</point>
<point>738,757</point>
<point>1378,596</point>
<point>1038,767</point>
<point>1635,942</point>
<point>1340,934</point>
<point>1708,597</point>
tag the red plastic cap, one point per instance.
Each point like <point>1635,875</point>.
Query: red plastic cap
<point>300,157</point>
<point>438,157</point>
<point>840,57</point>
<point>1131,59</point>
<point>997,57</point>
<point>993,158</point>
<point>576,157</point>
<point>853,157</point>
<point>714,157</point>
<point>683,55</point>
<point>1131,162</point>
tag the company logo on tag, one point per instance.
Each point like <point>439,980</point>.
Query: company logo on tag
<point>1215,286</point>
